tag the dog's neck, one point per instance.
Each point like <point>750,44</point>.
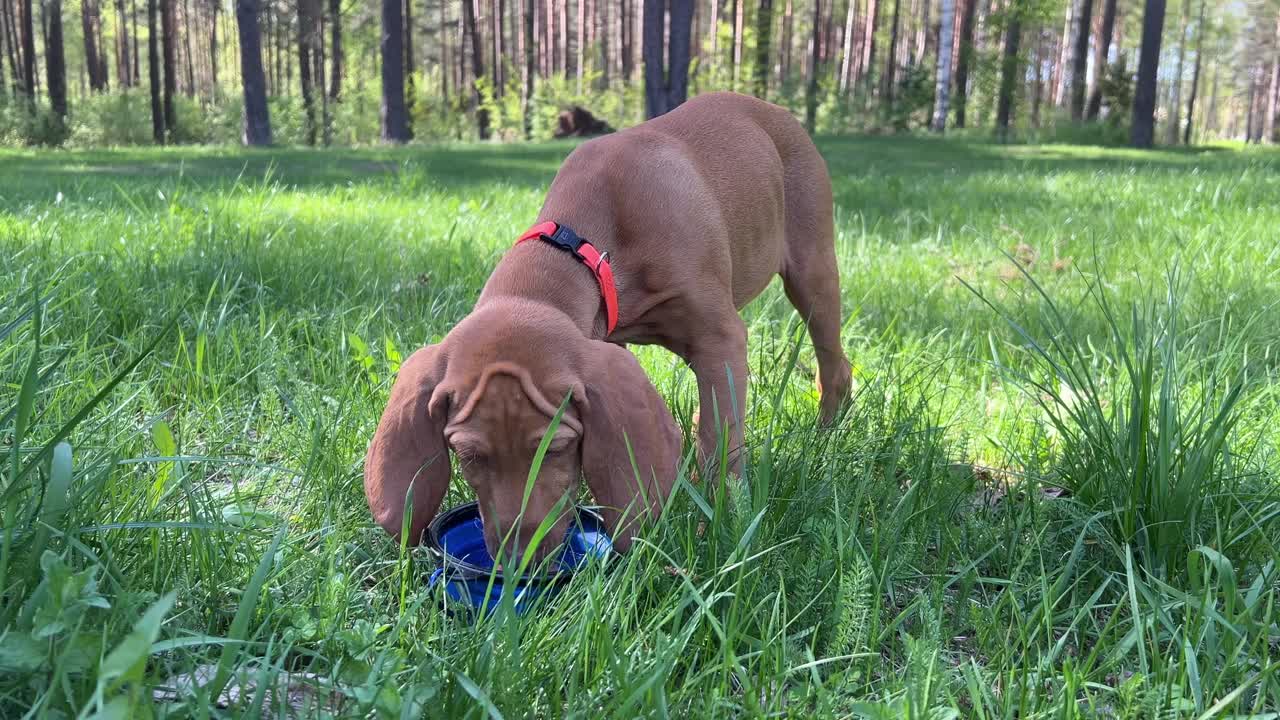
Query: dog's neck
<point>541,273</point>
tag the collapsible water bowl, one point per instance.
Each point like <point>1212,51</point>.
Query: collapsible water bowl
<point>465,568</point>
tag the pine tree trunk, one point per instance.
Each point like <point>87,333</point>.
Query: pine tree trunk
<point>336,60</point>
<point>495,52</point>
<point>477,65</point>
<point>582,41</point>
<point>530,11</point>
<point>605,32</point>
<point>788,38</point>
<point>738,12</point>
<point>410,82</point>
<point>446,57</point>
<point>214,90</point>
<point>1080,64</point>
<point>186,41</point>
<point>56,62</point>
<point>1195,77</point>
<point>811,86</point>
<point>153,70</point>
<point>625,8</point>
<point>1143,130</point>
<point>169,48</point>
<point>1037,96</point>
<point>257,120</point>
<point>6,50</point>
<point>891,60</point>
<point>395,125</point>
<point>10,22</point>
<point>1008,77</point>
<point>92,62</point>
<point>846,58</point>
<point>1172,131</point>
<point>869,44</point>
<point>665,88</point>
<point>1060,68</point>
<point>942,85</point>
<point>1273,104</point>
<point>306,28</point>
<point>564,36</point>
<point>764,30</point>
<point>655,83</point>
<point>26,25</point>
<point>136,75</point>
<point>1104,48</point>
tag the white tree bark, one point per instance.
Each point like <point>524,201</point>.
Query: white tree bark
<point>942,86</point>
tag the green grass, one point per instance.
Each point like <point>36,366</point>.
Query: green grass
<point>1054,495</point>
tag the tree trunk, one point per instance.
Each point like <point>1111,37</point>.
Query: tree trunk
<point>27,29</point>
<point>665,88</point>
<point>477,65</point>
<point>124,73</point>
<point>137,56</point>
<point>1060,68</point>
<point>1273,104</point>
<point>410,83</point>
<point>604,44</point>
<point>213,52</point>
<point>1104,49</point>
<point>169,48</point>
<point>964,60</point>
<point>6,50</point>
<point>1080,64</point>
<point>186,42</point>
<point>1172,132</point>
<point>564,36</point>
<point>530,9</point>
<point>336,59</point>
<point>891,60</point>
<point>1195,77</point>
<point>811,86</point>
<point>9,24</point>
<point>1143,130</point>
<point>1008,76</point>
<point>153,70</point>
<point>788,37</point>
<point>92,61</point>
<point>55,63</point>
<point>498,13</point>
<point>738,12</point>
<point>582,41</point>
<point>257,120</point>
<point>1037,96</point>
<point>445,52</point>
<point>764,31</point>
<point>395,125</point>
<point>625,26</point>
<point>306,29</point>
<point>942,85</point>
<point>846,59</point>
<point>869,42</point>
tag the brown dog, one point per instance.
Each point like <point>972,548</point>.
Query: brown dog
<point>697,210</point>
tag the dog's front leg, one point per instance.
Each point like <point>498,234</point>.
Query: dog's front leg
<point>719,362</point>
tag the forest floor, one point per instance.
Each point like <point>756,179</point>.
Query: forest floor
<point>1056,492</point>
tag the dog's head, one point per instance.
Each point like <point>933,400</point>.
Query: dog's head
<point>487,393</point>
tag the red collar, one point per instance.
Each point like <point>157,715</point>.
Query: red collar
<point>562,237</point>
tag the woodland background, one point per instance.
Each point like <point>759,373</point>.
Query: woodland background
<point>119,72</point>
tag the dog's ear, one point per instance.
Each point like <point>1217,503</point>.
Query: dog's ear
<point>621,409</point>
<point>408,451</point>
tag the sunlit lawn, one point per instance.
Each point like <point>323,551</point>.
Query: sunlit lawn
<point>1015,519</point>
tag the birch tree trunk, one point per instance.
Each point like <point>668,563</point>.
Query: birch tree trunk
<point>942,85</point>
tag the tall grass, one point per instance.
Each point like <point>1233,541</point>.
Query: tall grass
<point>1085,528</point>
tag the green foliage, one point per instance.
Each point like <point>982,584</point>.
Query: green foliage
<point>181,510</point>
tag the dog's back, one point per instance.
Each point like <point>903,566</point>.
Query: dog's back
<point>724,182</point>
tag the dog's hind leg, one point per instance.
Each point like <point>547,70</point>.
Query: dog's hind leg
<point>810,275</point>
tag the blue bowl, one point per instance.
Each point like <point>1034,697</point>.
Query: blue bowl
<point>465,568</point>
